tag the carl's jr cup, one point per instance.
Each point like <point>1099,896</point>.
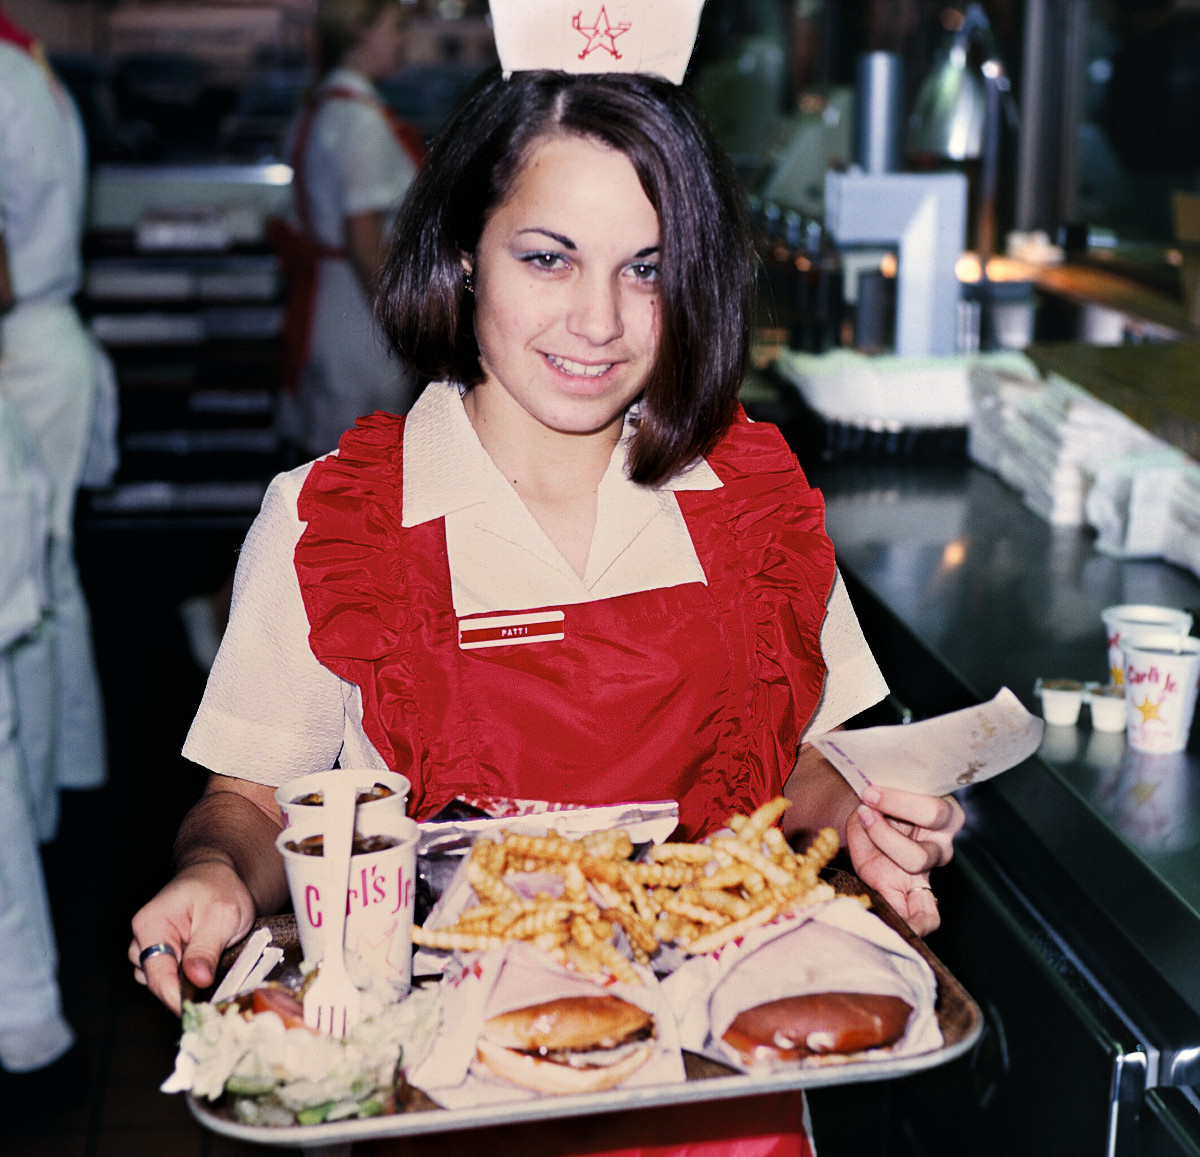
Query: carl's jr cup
<point>378,791</point>
<point>1120,621</point>
<point>379,903</point>
<point>1161,674</point>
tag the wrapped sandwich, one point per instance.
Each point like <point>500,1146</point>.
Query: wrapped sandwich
<point>837,986</point>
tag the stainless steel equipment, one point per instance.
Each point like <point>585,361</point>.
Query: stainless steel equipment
<point>923,217</point>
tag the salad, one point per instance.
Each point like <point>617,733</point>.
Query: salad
<point>255,1051</point>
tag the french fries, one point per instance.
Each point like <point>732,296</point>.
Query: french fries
<point>697,896</point>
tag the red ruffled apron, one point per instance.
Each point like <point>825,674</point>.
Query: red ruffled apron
<point>696,693</point>
<point>299,250</point>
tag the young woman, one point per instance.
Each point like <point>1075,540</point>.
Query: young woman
<point>578,491</point>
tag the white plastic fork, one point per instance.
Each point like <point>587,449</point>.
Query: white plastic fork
<point>332,1003</point>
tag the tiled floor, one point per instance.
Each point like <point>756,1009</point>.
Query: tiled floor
<point>113,848</point>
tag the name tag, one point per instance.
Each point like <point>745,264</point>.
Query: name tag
<point>507,630</point>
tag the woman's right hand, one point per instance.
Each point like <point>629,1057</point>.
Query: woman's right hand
<point>205,908</point>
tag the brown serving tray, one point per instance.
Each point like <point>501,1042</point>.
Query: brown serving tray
<point>958,1017</point>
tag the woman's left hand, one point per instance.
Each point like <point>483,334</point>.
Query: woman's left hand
<point>895,838</point>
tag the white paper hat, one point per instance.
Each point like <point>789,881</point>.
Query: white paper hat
<point>649,36</point>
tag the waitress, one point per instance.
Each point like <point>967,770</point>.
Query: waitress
<point>575,571</point>
<point>352,161</point>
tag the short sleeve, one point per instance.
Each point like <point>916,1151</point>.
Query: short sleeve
<point>853,681</point>
<point>373,170</point>
<point>270,710</point>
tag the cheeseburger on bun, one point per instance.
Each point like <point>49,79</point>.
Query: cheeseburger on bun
<point>576,1044</point>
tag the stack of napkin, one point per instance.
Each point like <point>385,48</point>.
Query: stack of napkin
<point>1181,538</point>
<point>1073,458</point>
<point>884,392</point>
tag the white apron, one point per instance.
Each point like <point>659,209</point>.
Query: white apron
<point>32,1030</point>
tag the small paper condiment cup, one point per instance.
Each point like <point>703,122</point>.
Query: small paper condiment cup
<point>1120,620</point>
<point>380,899</point>
<point>287,795</point>
<point>1061,701</point>
<point>1161,673</point>
<point>1107,707</point>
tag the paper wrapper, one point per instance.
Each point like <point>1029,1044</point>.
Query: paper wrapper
<point>489,983</point>
<point>939,755</point>
<point>649,822</point>
<point>839,947</point>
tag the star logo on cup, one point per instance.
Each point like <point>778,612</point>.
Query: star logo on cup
<point>1118,677</point>
<point>375,954</point>
<point>1149,709</point>
<point>601,34</point>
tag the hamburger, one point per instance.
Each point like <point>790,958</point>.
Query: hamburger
<point>822,993</point>
<point>818,1024</point>
<point>575,1044</point>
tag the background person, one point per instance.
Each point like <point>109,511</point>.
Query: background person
<point>52,373</point>
<point>40,1067</point>
<point>352,161</point>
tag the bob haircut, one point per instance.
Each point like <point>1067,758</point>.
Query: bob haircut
<point>706,265</point>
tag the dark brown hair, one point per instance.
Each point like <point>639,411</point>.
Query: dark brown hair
<point>340,24</point>
<point>706,265</point>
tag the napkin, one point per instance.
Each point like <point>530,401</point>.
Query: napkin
<point>255,962</point>
<point>886,391</point>
<point>938,755</point>
<point>1129,502</point>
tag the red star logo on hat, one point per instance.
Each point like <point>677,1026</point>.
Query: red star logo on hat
<point>601,34</point>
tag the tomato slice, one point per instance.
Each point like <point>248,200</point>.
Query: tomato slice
<point>282,1003</point>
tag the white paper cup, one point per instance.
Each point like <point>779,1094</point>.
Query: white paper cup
<point>1119,621</point>
<point>1107,707</point>
<point>1161,673</point>
<point>382,890</point>
<point>1061,701</point>
<point>287,796</point>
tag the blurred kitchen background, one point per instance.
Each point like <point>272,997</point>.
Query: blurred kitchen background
<point>1069,126</point>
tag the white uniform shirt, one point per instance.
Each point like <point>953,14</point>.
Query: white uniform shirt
<point>353,162</point>
<point>42,190</point>
<point>271,711</point>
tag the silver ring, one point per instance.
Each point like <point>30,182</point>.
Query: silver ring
<point>155,950</point>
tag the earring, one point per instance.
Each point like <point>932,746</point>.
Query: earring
<point>468,282</point>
